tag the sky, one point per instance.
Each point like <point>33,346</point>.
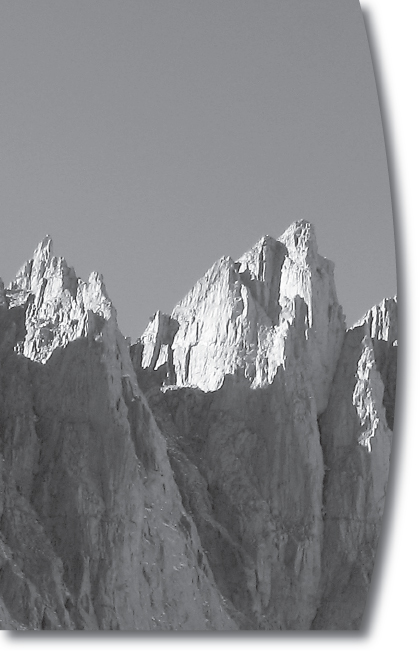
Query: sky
<point>151,137</point>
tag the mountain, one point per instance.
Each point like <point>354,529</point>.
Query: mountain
<point>227,471</point>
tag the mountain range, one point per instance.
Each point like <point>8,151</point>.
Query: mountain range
<point>226,471</point>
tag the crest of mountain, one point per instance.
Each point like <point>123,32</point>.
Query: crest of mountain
<point>238,317</point>
<point>226,471</point>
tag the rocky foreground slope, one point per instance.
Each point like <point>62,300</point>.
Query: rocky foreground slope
<point>226,471</point>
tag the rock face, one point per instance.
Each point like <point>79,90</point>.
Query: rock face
<point>356,433</point>
<point>227,471</point>
<point>93,531</point>
<point>238,318</point>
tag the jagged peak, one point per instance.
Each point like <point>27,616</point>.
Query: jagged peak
<point>30,274</point>
<point>63,307</point>
<point>380,321</point>
<point>298,242</point>
<point>267,242</point>
<point>44,249</point>
<point>96,279</point>
<point>300,239</point>
<point>43,265</point>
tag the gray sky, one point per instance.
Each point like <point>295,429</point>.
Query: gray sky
<point>151,137</point>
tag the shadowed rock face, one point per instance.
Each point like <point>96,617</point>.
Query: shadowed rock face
<point>229,473</point>
<point>356,435</point>
<point>93,531</point>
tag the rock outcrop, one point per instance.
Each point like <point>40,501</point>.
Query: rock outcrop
<point>238,318</point>
<point>226,471</point>
<point>93,531</point>
<point>356,434</point>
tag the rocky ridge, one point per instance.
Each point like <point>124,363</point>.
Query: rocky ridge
<point>93,531</point>
<point>238,318</point>
<point>226,471</point>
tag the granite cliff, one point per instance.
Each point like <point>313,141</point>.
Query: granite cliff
<point>226,471</point>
